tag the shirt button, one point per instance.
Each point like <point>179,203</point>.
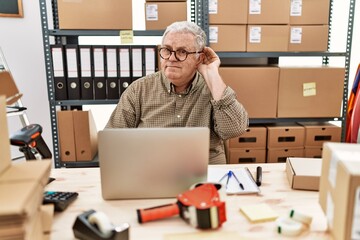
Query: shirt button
<point>178,116</point>
<point>180,96</point>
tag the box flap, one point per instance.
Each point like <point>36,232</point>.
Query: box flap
<point>5,156</point>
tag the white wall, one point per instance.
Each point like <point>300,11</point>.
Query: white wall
<point>22,45</point>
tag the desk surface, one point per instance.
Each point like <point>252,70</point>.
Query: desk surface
<point>275,191</point>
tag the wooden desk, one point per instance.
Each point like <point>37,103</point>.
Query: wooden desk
<point>275,191</point>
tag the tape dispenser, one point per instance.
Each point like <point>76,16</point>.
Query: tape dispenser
<point>97,226</point>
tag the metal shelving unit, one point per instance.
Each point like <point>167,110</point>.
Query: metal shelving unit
<point>199,15</point>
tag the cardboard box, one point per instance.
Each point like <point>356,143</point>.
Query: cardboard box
<point>304,173</point>
<point>267,38</point>
<point>253,138</point>
<point>312,38</point>
<point>333,153</point>
<point>285,135</point>
<point>276,155</point>
<point>269,12</point>
<point>343,206</point>
<point>309,12</point>
<point>304,90</point>
<point>227,38</point>
<point>159,15</point>
<point>256,88</point>
<point>77,136</point>
<point>228,11</point>
<point>316,133</point>
<point>243,155</point>
<point>313,152</point>
<point>9,88</point>
<point>95,14</point>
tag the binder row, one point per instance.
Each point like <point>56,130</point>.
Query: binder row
<point>84,72</point>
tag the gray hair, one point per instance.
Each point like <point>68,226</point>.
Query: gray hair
<point>188,27</point>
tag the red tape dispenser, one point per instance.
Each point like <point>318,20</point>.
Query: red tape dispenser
<point>200,207</point>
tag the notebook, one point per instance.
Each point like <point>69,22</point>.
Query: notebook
<point>140,163</point>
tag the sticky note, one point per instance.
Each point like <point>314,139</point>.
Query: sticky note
<point>309,89</point>
<point>259,213</point>
<point>126,36</point>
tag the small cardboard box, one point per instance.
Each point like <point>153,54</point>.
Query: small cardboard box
<point>304,90</point>
<point>278,155</point>
<point>95,14</point>
<point>66,136</point>
<point>227,38</point>
<point>309,12</point>
<point>253,138</point>
<point>311,38</point>
<point>256,88</point>
<point>316,133</point>
<point>243,155</point>
<point>313,152</point>
<point>343,206</point>
<point>285,135</point>
<point>267,38</point>
<point>304,173</point>
<point>269,12</point>
<point>159,15</point>
<point>228,11</point>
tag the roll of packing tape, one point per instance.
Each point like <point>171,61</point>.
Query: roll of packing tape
<point>300,217</point>
<point>289,227</point>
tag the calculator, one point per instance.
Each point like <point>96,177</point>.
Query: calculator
<point>61,200</point>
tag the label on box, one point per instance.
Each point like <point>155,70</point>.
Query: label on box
<point>213,6</point>
<point>355,230</point>
<point>255,35</point>
<point>296,8</point>
<point>213,34</point>
<point>330,210</point>
<point>309,89</point>
<point>152,12</point>
<point>255,7</point>
<point>295,35</point>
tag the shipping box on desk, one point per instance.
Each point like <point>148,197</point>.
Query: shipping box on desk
<point>21,187</point>
<point>304,173</point>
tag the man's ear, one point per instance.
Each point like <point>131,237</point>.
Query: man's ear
<point>200,59</point>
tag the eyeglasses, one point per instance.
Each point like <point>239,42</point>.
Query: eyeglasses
<point>180,54</point>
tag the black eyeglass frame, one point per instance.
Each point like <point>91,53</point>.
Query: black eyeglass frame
<point>172,51</point>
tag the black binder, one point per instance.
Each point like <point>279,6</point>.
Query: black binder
<point>112,70</point>
<point>58,66</point>
<point>72,70</point>
<point>99,72</point>
<point>86,80</point>
<point>124,67</point>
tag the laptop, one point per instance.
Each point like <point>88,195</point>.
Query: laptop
<point>139,163</point>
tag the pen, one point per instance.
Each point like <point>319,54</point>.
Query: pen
<point>240,184</point>
<point>258,175</point>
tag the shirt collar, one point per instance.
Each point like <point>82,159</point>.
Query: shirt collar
<point>171,89</point>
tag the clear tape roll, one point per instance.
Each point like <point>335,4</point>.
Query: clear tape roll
<point>300,217</point>
<point>289,227</point>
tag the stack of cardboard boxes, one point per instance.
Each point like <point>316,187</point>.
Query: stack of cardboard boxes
<point>267,26</point>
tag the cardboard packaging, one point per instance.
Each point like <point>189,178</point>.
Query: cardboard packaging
<point>159,15</point>
<point>256,88</point>
<point>253,138</point>
<point>267,38</point>
<point>9,88</point>
<point>95,14</point>
<point>285,135</point>
<point>277,155</point>
<point>304,173</point>
<point>244,155</point>
<point>312,38</point>
<point>269,12</point>
<point>304,90</point>
<point>227,38</point>
<point>310,12</point>
<point>313,152</point>
<point>228,11</point>
<point>316,133</point>
<point>77,136</point>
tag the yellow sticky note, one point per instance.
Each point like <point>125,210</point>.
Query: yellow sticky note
<point>126,36</point>
<point>259,213</point>
<point>309,89</point>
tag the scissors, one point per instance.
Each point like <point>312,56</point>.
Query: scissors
<point>229,175</point>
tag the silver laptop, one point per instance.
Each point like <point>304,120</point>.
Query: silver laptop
<point>152,162</point>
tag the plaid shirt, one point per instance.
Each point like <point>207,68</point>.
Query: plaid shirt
<point>151,102</point>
